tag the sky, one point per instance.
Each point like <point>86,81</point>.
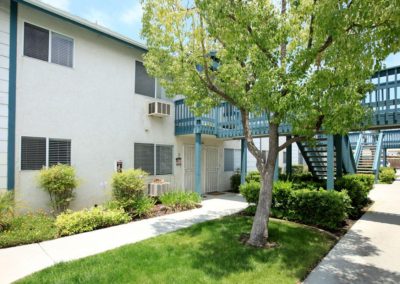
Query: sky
<point>125,16</point>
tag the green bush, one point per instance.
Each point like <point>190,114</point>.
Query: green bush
<point>235,182</point>
<point>27,229</point>
<point>59,182</point>
<point>387,175</point>
<point>70,223</point>
<point>128,184</point>
<point>280,197</point>
<point>326,209</point>
<point>142,206</point>
<point>6,209</point>
<point>180,200</point>
<point>128,189</point>
<point>250,191</point>
<point>298,169</point>
<point>357,186</point>
<point>253,176</point>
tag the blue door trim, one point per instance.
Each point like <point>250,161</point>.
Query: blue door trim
<point>12,96</point>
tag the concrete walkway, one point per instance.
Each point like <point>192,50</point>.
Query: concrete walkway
<point>370,251</point>
<point>21,261</point>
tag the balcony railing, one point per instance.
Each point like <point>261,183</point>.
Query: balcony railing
<point>224,121</point>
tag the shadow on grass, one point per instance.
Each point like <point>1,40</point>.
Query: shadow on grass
<point>220,253</point>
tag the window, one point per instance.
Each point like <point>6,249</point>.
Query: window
<point>144,84</point>
<point>154,159</point>
<point>61,49</point>
<point>164,160</point>
<point>33,153</point>
<point>59,152</point>
<point>36,42</point>
<point>231,160</point>
<point>144,157</point>
<point>36,45</point>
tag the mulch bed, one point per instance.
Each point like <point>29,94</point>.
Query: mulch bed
<point>161,210</point>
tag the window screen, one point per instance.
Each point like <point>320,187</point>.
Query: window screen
<point>228,160</point>
<point>59,152</point>
<point>144,84</point>
<point>61,49</point>
<point>144,157</point>
<point>164,160</point>
<point>33,153</point>
<point>36,42</point>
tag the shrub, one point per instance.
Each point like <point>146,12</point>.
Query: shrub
<point>235,182</point>
<point>128,184</point>
<point>387,175</point>
<point>280,196</point>
<point>59,182</point>
<point>6,209</point>
<point>27,229</point>
<point>250,191</point>
<point>253,176</point>
<point>142,206</point>
<point>298,169</point>
<point>357,186</point>
<point>70,223</point>
<point>180,200</point>
<point>302,177</point>
<point>326,209</point>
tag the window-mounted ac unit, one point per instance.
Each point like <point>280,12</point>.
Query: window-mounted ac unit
<point>159,109</point>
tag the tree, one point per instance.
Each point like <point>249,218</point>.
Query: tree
<point>302,62</point>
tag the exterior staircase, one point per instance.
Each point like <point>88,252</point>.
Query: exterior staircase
<point>366,161</point>
<point>316,155</point>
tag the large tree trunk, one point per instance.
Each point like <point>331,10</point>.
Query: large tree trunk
<point>259,230</point>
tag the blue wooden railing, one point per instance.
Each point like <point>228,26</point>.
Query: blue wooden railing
<point>224,121</point>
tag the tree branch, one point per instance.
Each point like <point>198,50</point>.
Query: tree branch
<point>291,141</point>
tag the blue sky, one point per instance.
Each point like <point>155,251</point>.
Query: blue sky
<point>124,17</point>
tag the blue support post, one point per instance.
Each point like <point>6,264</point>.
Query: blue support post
<point>289,158</point>
<point>276,172</point>
<point>385,157</point>
<point>243,161</point>
<point>330,163</point>
<point>339,155</point>
<point>197,163</point>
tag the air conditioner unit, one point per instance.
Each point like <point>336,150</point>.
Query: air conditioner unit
<point>159,109</point>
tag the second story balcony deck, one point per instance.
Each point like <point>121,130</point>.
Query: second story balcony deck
<point>224,121</point>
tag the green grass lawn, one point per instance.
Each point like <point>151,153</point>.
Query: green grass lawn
<point>204,253</point>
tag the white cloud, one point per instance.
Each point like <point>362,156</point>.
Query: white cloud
<point>134,15</point>
<point>60,4</point>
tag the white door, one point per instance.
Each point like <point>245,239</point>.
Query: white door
<point>188,163</point>
<point>210,169</point>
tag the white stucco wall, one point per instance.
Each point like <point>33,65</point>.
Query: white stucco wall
<point>94,105</point>
<point>263,143</point>
<point>4,74</point>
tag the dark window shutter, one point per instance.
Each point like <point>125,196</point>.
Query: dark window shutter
<point>228,160</point>
<point>144,157</point>
<point>36,42</point>
<point>62,49</point>
<point>33,153</point>
<point>144,84</point>
<point>164,160</point>
<point>59,152</point>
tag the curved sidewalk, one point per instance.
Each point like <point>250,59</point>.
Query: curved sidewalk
<point>21,261</point>
<point>370,251</point>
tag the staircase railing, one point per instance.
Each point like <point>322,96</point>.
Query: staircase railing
<point>349,162</point>
<point>377,158</point>
<point>357,152</point>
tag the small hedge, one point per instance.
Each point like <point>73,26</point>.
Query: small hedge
<point>27,229</point>
<point>253,176</point>
<point>6,209</point>
<point>59,182</point>
<point>387,175</point>
<point>180,200</point>
<point>235,182</point>
<point>357,186</point>
<point>326,209</point>
<point>70,223</point>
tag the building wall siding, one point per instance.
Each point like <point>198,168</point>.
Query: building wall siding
<point>4,78</point>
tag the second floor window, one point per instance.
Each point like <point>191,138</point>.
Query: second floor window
<point>42,44</point>
<point>144,84</point>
